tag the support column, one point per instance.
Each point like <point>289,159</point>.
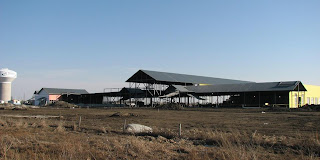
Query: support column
<point>298,95</point>
<point>217,101</point>
<point>259,99</point>
<point>275,98</point>
<point>188,100</point>
<point>212,99</point>
<point>290,99</point>
<point>244,99</point>
<point>304,97</point>
<point>135,94</point>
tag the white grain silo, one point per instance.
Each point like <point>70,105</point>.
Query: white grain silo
<point>6,77</point>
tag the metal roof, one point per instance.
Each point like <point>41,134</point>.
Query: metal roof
<point>63,91</point>
<point>146,76</point>
<point>249,87</point>
<point>180,88</point>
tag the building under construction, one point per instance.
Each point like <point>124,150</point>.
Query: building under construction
<point>151,88</point>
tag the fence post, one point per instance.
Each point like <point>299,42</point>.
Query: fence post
<point>124,125</point>
<point>79,122</point>
<point>180,130</point>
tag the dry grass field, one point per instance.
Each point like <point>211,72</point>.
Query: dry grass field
<point>52,133</point>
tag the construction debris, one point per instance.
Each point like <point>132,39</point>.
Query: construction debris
<point>62,104</point>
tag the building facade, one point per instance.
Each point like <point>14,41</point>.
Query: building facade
<point>50,95</point>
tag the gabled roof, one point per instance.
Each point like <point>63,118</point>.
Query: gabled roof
<point>177,88</point>
<point>145,76</point>
<point>249,87</point>
<point>60,91</point>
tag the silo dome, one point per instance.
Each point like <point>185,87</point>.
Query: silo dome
<point>6,77</point>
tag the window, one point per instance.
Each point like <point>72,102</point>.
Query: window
<point>308,100</point>
<point>316,100</point>
<point>312,102</point>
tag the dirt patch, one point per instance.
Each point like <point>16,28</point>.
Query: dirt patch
<point>62,104</point>
<point>306,108</point>
<point>16,107</point>
<point>30,116</point>
<point>310,108</point>
<point>119,114</point>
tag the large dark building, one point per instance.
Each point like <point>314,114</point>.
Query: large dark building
<point>150,88</point>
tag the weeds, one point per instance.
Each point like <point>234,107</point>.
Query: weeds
<point>60,128</point>
<point>22,138</point>
<point>75,126</point>
<point>43,124</point>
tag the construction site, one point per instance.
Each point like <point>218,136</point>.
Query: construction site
<point>209,118</point>
<point>153,88</point>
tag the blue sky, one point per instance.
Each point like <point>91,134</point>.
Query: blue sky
<point>100,44</point>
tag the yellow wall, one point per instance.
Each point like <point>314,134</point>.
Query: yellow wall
<point>311,96</point>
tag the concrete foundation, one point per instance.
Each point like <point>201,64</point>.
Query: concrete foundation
<point>5,92</point>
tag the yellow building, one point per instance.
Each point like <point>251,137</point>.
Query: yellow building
<point>309,97</point>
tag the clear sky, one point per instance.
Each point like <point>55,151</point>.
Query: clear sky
<point>100,44</point>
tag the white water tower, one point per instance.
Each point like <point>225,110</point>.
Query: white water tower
<point>6,77</point>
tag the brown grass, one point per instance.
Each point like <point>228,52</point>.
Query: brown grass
<point>206,134</point>
<point>60,128</point>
